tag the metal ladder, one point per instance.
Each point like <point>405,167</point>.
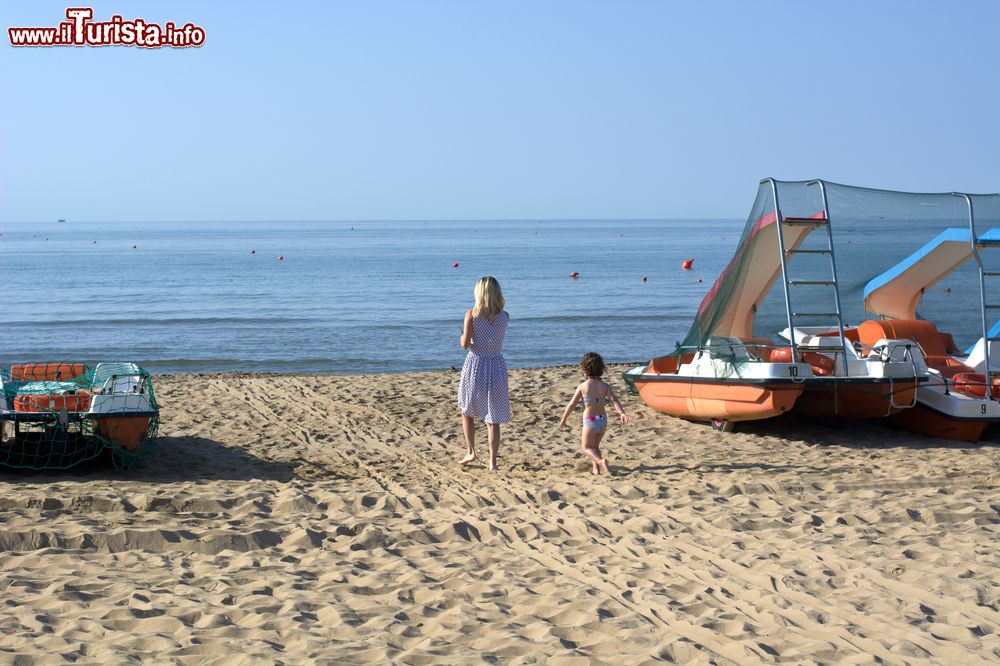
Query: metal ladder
<point>787,282</point>
<point>978,243</point>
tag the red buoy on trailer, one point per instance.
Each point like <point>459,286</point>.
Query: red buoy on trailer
<point>687,263</point>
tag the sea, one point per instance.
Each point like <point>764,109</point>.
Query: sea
<point>384,297</point>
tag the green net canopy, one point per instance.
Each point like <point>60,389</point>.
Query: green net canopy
<point>872,231</point>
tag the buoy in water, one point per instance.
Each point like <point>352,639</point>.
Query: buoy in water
<point>644,279</point>
<point>281,257</point>
<point>947,290</point>
<point>687,263</point>
<point>93,242</point>
<point>455,265</point>
<point>135,247</point>
<point>699,279</point>
<point>574,274</point>
<point>253,251</point>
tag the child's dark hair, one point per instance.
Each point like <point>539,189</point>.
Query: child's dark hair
<point>592,364</point>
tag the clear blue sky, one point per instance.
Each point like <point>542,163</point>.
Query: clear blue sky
<point>410,109</point>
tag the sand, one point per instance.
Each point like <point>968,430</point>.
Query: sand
<point>323,518</point>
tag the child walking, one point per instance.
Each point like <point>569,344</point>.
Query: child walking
<point>595,394</point>
<point>483,392</point>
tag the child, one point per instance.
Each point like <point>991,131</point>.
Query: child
<point>483,391</point>
<point>594,394</point>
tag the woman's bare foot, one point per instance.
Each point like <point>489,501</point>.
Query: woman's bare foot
<point>467,459</point>
<point>604,466</point>
<point>493,465</point>
<point>594,469</point>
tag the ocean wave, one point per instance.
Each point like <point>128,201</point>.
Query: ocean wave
<point>572,318</point>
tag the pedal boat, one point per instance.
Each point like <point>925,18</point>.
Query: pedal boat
<point>957,402</point>
<point>724,374</point>
<point>728,381</point>
<point>55,415</point>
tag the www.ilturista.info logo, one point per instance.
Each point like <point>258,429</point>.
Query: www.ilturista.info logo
<point>79,30</point>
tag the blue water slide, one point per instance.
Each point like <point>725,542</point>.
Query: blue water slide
<point>895,293</point>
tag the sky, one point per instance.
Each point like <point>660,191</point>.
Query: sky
<point>540,109</point>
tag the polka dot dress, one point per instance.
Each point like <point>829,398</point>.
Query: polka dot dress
<point>483,391</point>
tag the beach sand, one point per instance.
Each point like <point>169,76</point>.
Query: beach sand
<point>296,518</point>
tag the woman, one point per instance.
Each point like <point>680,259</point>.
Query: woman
<point>482,391</point>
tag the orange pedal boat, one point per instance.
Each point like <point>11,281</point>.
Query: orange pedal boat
<point>722,373</point>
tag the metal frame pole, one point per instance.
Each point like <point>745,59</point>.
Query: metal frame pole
<point>833,268</point>
<point>973,240</point>
<point>784,274</point>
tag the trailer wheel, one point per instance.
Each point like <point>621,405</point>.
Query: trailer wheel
<point>723,425</point>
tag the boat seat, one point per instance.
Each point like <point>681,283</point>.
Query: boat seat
<point>759,348</point>
<point>936,346</point>
<point>949,344</point>
<point>727,348</point>
<point>668,365</point>
<point>46,372</point>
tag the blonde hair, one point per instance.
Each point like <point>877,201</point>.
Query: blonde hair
<point>489,298</point>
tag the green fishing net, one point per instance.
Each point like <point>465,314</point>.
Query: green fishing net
<point>872,231</point>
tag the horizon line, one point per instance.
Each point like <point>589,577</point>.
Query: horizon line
<point>390,219</point>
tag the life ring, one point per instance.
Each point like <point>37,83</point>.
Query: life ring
<point>821,365</point>
<point>52,402</point>
<point>973,384</point>
<point>781,355</point>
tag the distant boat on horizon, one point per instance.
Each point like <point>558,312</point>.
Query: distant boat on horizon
<point>61,221</point>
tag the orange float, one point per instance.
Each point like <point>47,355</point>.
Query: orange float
<point>53,402</point>
<point>687,263</point>
<point>46,372</point>
<point>973,384</point>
